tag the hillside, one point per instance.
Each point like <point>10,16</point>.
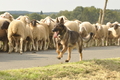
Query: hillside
<point>96,69</point>
<point>28,12</point>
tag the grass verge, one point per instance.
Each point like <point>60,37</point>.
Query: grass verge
<point>96,69</point>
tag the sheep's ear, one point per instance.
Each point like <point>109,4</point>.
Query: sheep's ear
<point>52,20</point>
<point>62,21</point>
<point>96,27</point>
<point>119,25</point>
<point>57,20</point>
<point>38,22</point>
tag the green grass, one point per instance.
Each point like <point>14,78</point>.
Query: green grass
<point>96,69</point>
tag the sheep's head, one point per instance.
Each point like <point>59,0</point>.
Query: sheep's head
<point>25,19</point>
<point>33,23</point>
<point>48,20</point>
<point>115,26</point>
<point>7,16</point>
<point>5,25</point>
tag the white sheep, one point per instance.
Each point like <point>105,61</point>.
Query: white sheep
<point>40,35</point>
<point>18,32</point>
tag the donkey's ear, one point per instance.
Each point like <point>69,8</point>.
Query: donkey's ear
<point>57,21</point>
<point>62,21</point>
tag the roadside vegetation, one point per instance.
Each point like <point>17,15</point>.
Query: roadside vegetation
<point>90,14</point>
<point>96,69</point>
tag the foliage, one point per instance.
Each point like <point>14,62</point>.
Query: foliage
<point>35,16</point>
<point>90,14</point>
<point>2,12</point>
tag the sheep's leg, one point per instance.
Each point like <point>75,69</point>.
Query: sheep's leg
<point>25,46</point>
<point>85,44</point>
<point>16,48</point>
<point>44,45</point>
<point>41,45</point>
<point>5,45</point>
<point>115,40</point>
<point>106,41</point>
<point>36,45</point>
<point>100,42</point>
<point>33,45</point>
<point>30,46</point>
<point>1,45</point>
<point>54,42</point>
<point>47,44</point>
<point>103,41</point>
<point>10,46</point>
<point>118,41</point>
<point>21,45</point>
<point>92,42</point>
<point>96,42</point>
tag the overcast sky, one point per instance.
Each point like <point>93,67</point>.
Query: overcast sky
<point>54,5</point>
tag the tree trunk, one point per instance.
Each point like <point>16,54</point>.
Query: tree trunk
<point>100,16</point>
<point>102,20</point>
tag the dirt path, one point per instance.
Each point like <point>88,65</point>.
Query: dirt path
<point>44,58</point>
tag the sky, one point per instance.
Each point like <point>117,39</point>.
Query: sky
<point>54,5</point>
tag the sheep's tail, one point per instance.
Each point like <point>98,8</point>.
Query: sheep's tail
<point>14,30</point>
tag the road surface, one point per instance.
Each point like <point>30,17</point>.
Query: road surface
<point>49,57</point>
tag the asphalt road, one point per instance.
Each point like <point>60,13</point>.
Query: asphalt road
<point>49,57</point>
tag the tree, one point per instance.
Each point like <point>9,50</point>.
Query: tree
<point>2,12</point>
<point>102,20</point>
<point>78,12</point>
<point>35,16</point>
<point>41,12</point>
<point>100,16</point>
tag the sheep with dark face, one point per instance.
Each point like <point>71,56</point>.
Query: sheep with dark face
<point>5,19</point>
<point>4,23</point>
<point>50,23</point>
<point>40,35</point>
<point>115,31</point>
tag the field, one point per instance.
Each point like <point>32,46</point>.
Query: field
<point>96,69</point>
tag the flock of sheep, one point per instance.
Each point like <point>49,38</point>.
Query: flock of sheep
<point>21,34</point>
